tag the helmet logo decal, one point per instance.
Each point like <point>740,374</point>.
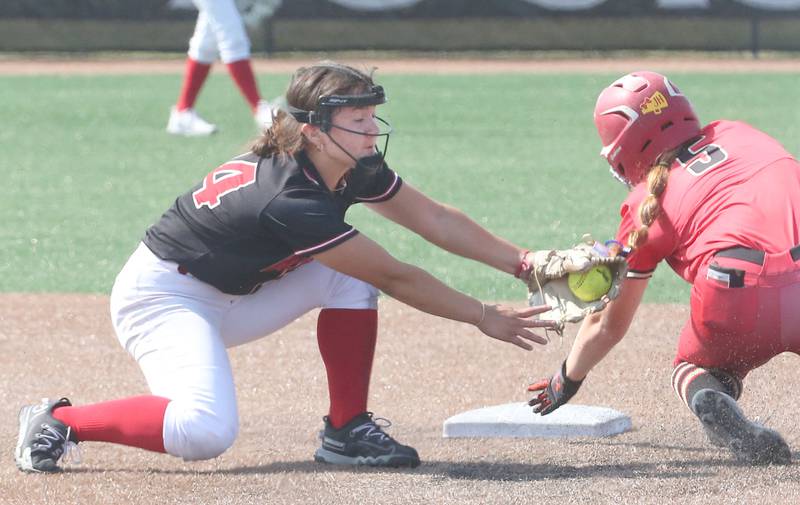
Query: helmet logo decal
<point>654,103</point>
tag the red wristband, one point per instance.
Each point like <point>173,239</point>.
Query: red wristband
<point>523,266</point>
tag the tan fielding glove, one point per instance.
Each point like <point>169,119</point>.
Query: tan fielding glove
<point>549,280</point>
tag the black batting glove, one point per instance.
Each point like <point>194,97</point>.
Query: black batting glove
<point>554,392</point>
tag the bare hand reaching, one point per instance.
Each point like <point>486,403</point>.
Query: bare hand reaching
<point>512,325</point>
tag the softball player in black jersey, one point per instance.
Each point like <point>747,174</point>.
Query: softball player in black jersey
<point>260,241</point>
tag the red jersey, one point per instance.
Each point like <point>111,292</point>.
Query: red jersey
<point>734,186</point>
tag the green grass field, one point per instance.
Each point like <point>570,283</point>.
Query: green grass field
<point>89,166</point>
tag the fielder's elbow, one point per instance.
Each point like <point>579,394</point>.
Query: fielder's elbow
<point>396,280</point>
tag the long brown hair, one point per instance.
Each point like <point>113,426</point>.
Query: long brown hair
<point>307,85</point>
<point>650,208</point>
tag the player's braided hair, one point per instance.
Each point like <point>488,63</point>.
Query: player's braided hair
<point>284,137</point>
<point>650,207</point>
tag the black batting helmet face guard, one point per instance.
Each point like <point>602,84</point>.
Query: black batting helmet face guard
<point>322,117</point>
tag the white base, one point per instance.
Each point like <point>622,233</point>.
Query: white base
<point>517,420</point>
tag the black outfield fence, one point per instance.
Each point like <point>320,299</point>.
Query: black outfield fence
<point>417,25</point>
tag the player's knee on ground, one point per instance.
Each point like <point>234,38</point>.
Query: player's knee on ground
<point>197,433</point>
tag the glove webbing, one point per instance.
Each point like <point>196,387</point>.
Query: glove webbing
<point>560,330</point>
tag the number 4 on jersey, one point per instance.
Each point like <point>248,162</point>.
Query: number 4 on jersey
<point>223,180</point>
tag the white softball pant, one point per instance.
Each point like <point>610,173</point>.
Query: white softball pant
<point>219,32</point>
<point>177,328</point>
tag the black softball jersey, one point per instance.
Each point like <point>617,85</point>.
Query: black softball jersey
<point>252,220</point>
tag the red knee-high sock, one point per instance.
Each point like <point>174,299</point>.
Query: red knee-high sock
<point>242,74</point>
<point>346,339</point>
<point>193,78</point>
<point>137,421</point>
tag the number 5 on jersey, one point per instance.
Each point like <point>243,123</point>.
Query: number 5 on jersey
<point>711,156</point>
<point>223,180</point>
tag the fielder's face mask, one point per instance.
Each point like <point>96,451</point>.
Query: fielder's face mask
<point>322,117</point>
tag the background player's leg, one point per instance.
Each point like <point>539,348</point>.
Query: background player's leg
<point>183,119</point>
<point>241,71</point>
<point>194,77</point>
<point>234,50</point>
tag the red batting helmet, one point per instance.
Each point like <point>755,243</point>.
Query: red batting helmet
<point>638,117</point>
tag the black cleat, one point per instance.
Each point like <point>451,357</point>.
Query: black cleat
<point>362,442</point>
<point>726,425</point>
<point>43,440</point>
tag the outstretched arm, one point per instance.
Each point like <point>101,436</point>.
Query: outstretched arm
<point>598,334</point>
<point>449,228</point>
<point>364,259</point>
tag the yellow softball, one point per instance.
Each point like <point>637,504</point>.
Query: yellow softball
<point>590,285</point>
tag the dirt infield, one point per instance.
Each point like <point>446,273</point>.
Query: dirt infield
<point>426,370</point>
